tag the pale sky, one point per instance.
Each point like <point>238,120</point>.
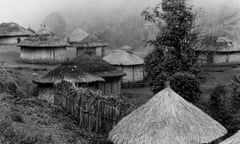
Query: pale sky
<point>33,12</point>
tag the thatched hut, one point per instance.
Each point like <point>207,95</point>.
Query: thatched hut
<point>12,33</point>
<point>217,50</point>
<point>235,139</point>
<point>86,43</point>
<point>84,71</point>
<point>43,48</point>
<point>166,119</point>
<point>129,63</point>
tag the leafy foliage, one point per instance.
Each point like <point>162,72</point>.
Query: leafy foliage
<point>173,52</point>
<point>217,106</point>
<point>186,85</point>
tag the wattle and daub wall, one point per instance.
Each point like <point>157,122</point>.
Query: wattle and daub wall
<point>43,55</point>
<point>133,73</point>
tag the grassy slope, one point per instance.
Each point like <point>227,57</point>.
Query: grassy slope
<point>35,121</point>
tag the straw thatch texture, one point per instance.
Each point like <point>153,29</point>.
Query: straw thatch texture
<point>121,57</point>
<point>80,38</point>
<point>166,119</point>
<point>82,69</point>
<point>235,139</point>
<point>13,29</point>
<point>216,44</point>
<point>44,38</point>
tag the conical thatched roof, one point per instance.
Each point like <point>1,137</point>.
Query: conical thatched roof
<point>80,38</point>
<point>166,119</point>
<point>43,38</point>
<point>235,139</point>
<point>82,69</point>
<point>122,57</point>
<point>13,29</point>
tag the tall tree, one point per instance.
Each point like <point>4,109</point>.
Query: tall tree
<point>173,45</point>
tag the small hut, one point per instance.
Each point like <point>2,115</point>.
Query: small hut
<point>84,71</point>
<point>235,139</point>
<point>129,63</point>
<point>167,119</point>
<point>86,43</point>
<point>217,50</point>
<point>43,48</point>
<point>12,33</point>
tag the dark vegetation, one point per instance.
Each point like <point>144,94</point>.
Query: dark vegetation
<point>173,52</point>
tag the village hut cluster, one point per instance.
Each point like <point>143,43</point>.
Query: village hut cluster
<point>165,119</point>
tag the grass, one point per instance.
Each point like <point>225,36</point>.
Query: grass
<point>32,121</point>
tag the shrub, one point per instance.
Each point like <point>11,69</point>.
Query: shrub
<point>158,83</point>
<point>17,117</point>
<point>186,85</point>
<point>217,106</point>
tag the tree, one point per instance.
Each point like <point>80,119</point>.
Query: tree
<point>186,85</point>
<point>173,52</point>
<point>56,23</point>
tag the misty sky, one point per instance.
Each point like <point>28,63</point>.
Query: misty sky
<point>33,12</point>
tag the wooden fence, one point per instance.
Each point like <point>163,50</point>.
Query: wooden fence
<point>94,111</point>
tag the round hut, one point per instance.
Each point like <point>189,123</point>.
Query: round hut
<point>86,43</point>
<point>13,33</point>
<point>84,71</point>
<point>43,48</point>
<point>217,50</point>
<point>129,63</point>
<point>166,119</point>
<point>235,139</point>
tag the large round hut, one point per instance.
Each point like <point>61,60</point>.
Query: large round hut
<point>13,33</point>
<point>129,63</point>
<point>167,119</point>
<point>84,71</point>
<point>86,43</point>
<point>235,139</point>
<point>216,50</point>
<point>43,48</point>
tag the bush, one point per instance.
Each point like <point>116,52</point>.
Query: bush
<point>17,117</point>
<point>158,83</point>
<point>186,85</point>
<point>217,96</point>
<point>217,106</point>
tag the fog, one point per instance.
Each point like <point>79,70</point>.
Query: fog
<point>116,17</point>
<point>32,12</point>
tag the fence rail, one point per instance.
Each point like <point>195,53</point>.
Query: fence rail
<point>94,111</point>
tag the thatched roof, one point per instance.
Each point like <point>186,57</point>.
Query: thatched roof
<point>216,44</point>
<point>80,38</point>
<point>82,69</point>
<point>13,29</point>
<point>126,48</point>
<point>166,119</point>
<point>235,139</point>
<point>43,38</point>
<point>125,58</point>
